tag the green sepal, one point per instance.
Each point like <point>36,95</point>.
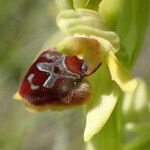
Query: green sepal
<point>101,103</point>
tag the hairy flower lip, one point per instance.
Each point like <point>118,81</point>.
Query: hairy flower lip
<point>67,88</point>
<point>83,85</point>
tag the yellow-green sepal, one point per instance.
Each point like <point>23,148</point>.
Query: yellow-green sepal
<point>119,74</point>
<point>101,103</point>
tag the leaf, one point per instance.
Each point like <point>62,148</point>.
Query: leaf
<point>131,27</point>
<point>101,103</point>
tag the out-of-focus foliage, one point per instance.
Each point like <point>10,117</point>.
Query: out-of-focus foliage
<point>131,26</point>
<point>25,26</point>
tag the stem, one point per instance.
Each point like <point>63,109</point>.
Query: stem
<point>138,144</point>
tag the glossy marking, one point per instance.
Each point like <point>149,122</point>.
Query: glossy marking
<point>50,57</point>
<point>49,68</point>
<point>55,79</point>
<point>33,87</point>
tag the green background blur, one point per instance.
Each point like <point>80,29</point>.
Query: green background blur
<point>25,27</point>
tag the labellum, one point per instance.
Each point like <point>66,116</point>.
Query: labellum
<point>55,81</point>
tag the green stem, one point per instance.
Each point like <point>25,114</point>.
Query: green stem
<point>138,144</point>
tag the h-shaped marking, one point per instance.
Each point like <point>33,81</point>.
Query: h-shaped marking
<point>49,68</point>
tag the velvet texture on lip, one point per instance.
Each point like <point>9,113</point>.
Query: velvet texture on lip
<point>55,81</point>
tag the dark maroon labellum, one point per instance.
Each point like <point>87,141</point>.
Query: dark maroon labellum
<point>55,79</point>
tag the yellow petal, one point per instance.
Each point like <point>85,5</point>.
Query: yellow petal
<point>119,74</point>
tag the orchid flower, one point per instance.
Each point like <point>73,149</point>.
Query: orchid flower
<point>89,41</point>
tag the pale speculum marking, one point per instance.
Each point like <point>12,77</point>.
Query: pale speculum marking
<point>30,78</point>
<point>50,57</point>
<point>49,68</point>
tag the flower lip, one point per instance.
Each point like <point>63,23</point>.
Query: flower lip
<point>51,81</point>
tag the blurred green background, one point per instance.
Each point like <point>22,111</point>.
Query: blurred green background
<point>25,28</point>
